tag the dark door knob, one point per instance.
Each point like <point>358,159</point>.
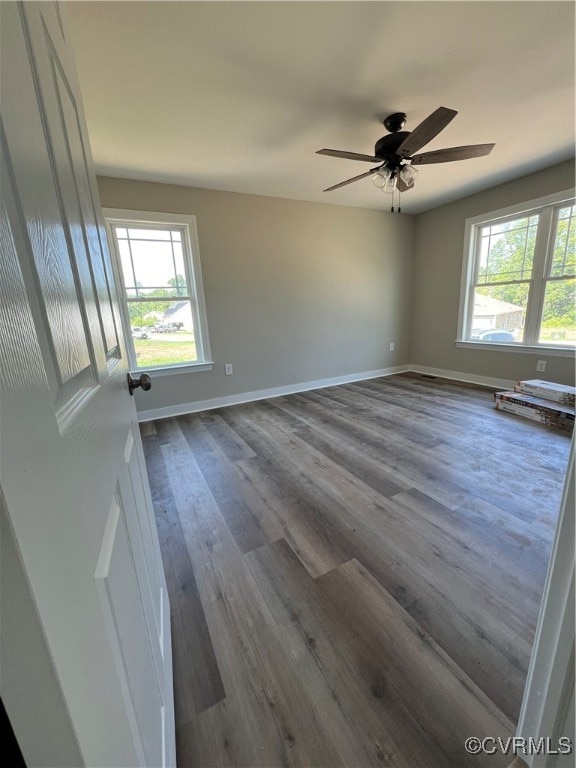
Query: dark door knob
<point>143,381</point>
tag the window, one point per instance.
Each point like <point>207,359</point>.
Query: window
<point>518,280</point>
<point>158,271</point>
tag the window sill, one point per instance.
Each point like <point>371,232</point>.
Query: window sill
<point>174,370</point>
<point>523,349</point>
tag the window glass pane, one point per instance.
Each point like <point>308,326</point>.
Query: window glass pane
<point>499,313</point>
<point>507,250</point>
<point>162,332</point>
<point>148,234</point>
<point>121,232</point>
<point>155,268</point>
<point>161,292</point>
<point>559,313</point>
<point>564,254</point>
<point>127,272</point>
<point>176,235</point>
<point>180,271</point>
<point>512,226</point>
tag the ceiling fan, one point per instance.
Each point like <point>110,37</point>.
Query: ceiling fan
<point>395,152</point>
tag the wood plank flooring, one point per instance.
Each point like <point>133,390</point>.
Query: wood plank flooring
<point>354,573</point>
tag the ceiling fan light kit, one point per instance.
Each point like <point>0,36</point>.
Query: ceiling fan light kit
<point>408,175</point>
<point>381,178</point>
<point>395,152</point>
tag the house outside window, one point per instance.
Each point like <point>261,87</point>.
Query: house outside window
<point>519,278</point>
<point>158,272</point>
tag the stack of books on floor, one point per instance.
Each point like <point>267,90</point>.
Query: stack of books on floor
<point>543,401</point>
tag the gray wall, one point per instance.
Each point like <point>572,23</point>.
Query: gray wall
<point>439,249</point>
<point>295,291</point>
<point>299,291</point>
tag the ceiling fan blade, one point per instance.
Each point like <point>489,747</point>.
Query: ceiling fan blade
<point>349,155</point>
<point>349,181</point>
<point>426,131</point>
<point>452,153</point>
<point>401,185</point>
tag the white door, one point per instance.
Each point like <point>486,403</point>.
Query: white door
<point>72,467</point>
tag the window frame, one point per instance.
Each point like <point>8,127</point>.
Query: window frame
<point>547,208</point>
<point>121,217</point>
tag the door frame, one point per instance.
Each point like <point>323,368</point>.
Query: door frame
<point>550,681</point>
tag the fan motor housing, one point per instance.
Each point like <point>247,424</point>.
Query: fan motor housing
<point>386,147</point>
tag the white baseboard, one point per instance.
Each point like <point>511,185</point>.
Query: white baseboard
<point>263,394</point>
<point>471,378</point>
<point>291,389</point>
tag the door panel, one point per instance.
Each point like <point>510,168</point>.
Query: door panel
<point>72,467</point>
<point>59,315</point>
<point>62,133</point>
<point>120,593</point>
<point>86,215</point>
<point>140,538</point>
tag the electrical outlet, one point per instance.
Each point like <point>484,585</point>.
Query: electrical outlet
<point>228,370</point>
<point>391,346</point>
<point>541,366</point>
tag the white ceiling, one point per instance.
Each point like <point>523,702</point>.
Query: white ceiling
<point>238,96</point>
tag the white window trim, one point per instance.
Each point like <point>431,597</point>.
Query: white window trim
<point>122,216</point>
<point>526,208</point>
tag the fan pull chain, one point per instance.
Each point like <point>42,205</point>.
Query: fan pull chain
<point>392,206</point>
<point>399,208</point>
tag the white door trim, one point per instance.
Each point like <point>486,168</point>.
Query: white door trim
<point>550,681</point>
